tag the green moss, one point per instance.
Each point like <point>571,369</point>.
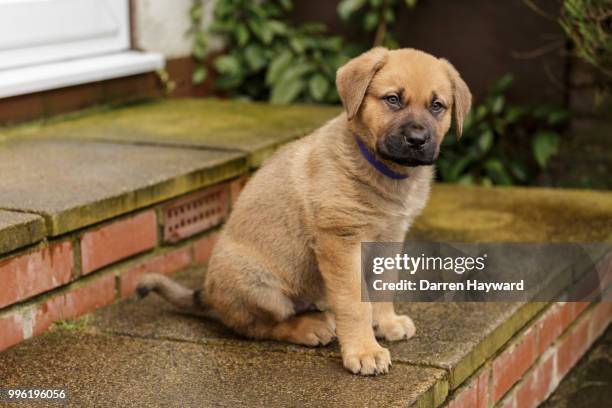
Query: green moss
<point>480,214</point>
<point>80,324</point>
<point>226,124</point>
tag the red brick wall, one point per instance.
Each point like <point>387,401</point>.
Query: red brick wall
<point>92,268</point>
<point>531,366</point>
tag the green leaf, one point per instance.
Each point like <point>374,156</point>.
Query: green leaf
<point>295,72</point>
<point>278,66</point>
<point>286,91</point>
<point>502,83</point>
<point>198,51</point>
<point>227,65</point>
<point>287,5</point>
<point>195,12</point>
<point>545,145</point>
<point>199,75</point>
<point>255,57</point>
<point>348,7</point>
<point>499,124</point>
<point>468,122</point>
<point>458,168</point>
<point>485,181</point>
<point>335,61</point>
<point>262,30</point>
<point>485,141</point>
<point>228,81</point>
<point>242,35</point>
<point>481,112</point>
<point>200,38</point>
<point>277,27</point>
<point>256,8</point>
<point>371,21</point>
<point>318,87</point>
<point>515,113</point>
<point>497,104</point>
<point>411,3</point>
<point>297,45</point>
<point>389,15</point>
<point>332,44</point>
<point>497,172</point>
<point>466,180</point>
<point>519,170</point>
<point>557,117</point>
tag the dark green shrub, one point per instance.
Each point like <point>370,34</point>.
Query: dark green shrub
<point>268,59</point>
<point>502,143</point>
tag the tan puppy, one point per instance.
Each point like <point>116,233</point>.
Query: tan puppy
<point>293,238</point>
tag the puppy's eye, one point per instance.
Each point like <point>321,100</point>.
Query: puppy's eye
<point>392,100</point>
<point>437,107</point>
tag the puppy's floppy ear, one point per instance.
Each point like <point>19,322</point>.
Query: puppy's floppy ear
<point>462,97</point>
<point>353,78</point>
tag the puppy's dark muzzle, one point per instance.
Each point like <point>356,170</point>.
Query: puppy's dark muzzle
<point>416,135</point>
<point>413,147</point>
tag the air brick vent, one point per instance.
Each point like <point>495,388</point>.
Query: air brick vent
<point>195,213</point>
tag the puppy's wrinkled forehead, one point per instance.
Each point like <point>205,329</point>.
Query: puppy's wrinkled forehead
<point>413,74</point>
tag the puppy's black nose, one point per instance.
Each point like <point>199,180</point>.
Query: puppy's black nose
<point>415,134</point>
<point>417,139</point>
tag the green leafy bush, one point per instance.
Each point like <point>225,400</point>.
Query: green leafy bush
<point>268,59</point>
<point>496,137</point>
<point>200,42</point>
<point>375,15</point>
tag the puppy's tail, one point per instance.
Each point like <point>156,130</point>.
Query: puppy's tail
<point>188,300</point>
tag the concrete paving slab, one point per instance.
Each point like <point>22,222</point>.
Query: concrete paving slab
<point>255,128</point>
<point>74,184</point>
<point>457,337</point>
<point>19,229</point>
<point>100,370</point>
<point>515,214</point>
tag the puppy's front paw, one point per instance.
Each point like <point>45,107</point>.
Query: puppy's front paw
<point>395,328</point>
<point>370,360</point>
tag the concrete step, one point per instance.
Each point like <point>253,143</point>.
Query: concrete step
<point>121,371</point>
<point>19,229</point>
<point>74,184</point>
<point>84,170</point>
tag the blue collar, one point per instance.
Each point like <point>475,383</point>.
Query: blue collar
<point>380,166</point>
